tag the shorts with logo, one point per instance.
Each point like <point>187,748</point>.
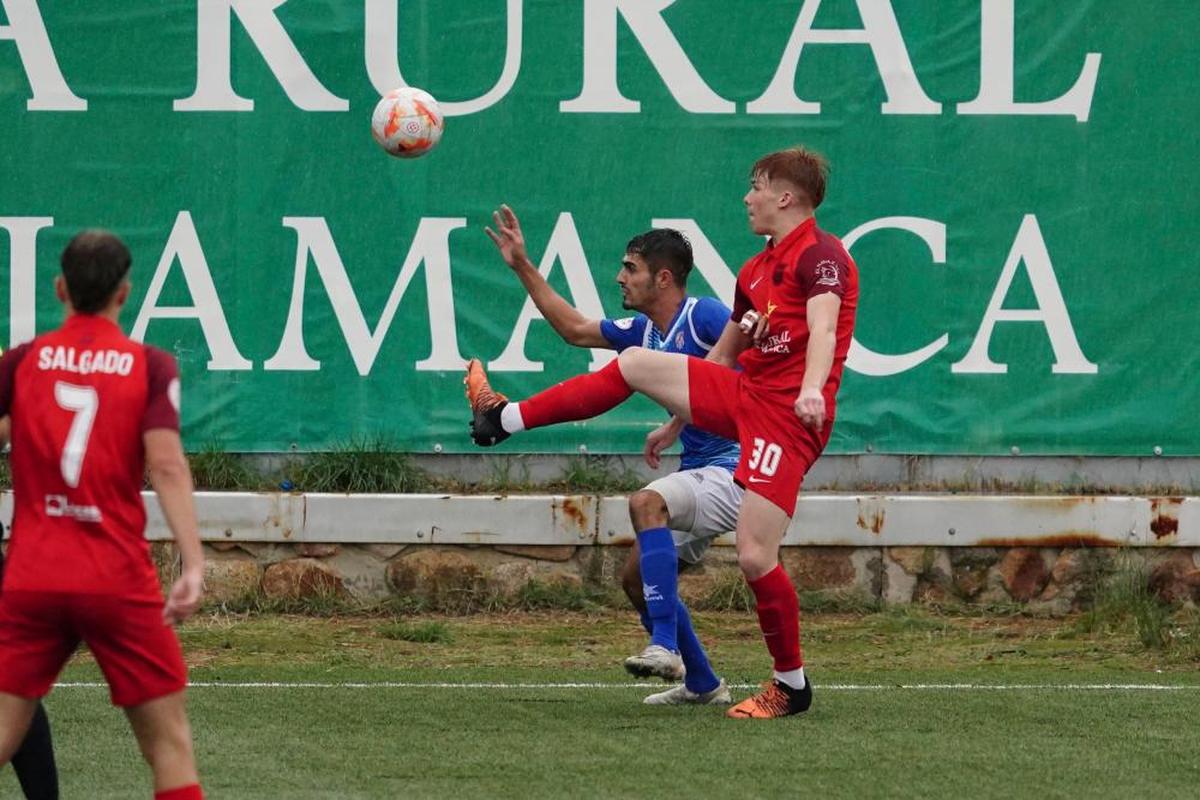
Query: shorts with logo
<point>138,653</point>
<point>702,503</point>
<point>777,449</point>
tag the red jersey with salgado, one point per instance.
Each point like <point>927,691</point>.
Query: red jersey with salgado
<point>778,282</point>
<point>80,399</point>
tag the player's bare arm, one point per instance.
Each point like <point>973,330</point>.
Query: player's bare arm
<point>171,479</point>
<point>660,439</point>
<point>822,314</point>
<point>731,344</point>
<point>5,430</point>
<point>572,326</point>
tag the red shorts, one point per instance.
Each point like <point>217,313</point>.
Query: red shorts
<point>138,653</point>
<point>777,448</point>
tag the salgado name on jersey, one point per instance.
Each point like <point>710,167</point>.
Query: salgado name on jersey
<point>87,362</point>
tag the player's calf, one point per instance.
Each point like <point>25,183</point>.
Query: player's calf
<point>165,739</point>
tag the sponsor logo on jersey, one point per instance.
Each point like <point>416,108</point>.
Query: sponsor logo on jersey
<point>779,343</point>
<point>57,505</point>
<point>624,324</point>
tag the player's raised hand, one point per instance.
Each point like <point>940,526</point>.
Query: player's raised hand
<point>507,237</point>
<point>810,408</point>
<point>660,439</point>
<point>184,598</point>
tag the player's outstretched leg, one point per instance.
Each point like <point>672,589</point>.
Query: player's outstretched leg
<point>487,406</point>
<point>494,419</point>
<point>663,377</point>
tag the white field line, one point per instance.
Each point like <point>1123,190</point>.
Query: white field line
<point>835,687</point>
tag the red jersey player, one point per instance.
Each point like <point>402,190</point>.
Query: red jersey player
<point>88,411</point>
<point>790,332</point>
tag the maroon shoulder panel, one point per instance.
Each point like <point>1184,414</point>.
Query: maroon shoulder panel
<point>162,400</point>
<point>823,267</point>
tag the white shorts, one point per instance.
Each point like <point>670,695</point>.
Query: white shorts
<point>702,503</point>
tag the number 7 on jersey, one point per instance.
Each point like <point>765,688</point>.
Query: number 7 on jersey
<point>84,402</point>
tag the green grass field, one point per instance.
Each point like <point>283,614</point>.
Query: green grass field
<point>871,733</point>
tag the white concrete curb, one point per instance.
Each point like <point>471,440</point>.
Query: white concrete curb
<point>853,520</point>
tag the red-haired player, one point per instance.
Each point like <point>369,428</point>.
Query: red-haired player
<point>791,327</point>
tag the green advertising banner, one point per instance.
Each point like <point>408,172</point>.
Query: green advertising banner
<point>1015,178</point>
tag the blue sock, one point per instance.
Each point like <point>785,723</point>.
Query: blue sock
<point>700,676</point>
<point>646,622</point>
<point>660,579</point>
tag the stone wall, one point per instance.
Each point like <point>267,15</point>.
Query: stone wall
<point>1045,579</point>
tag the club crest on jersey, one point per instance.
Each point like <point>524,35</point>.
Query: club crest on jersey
<point>827,273</point>
<point>679,341</point>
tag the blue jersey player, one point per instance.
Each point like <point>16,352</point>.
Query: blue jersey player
<point>677,516</point>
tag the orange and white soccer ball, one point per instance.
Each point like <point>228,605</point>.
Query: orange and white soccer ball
<point>407,122</point>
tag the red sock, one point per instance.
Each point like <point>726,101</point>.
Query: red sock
<point>181,793</point>
<point>779,618</point>
<point>581,397</point>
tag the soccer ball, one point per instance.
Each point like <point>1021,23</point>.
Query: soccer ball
<point>407,122</point>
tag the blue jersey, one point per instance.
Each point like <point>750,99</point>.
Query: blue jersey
<point>695,329</point>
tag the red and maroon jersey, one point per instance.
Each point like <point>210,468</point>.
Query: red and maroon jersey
<point>80,399</point>
<point>778,282</point>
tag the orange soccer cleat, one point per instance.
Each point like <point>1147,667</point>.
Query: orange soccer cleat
<point>486,406</point>
<point>775,700</point>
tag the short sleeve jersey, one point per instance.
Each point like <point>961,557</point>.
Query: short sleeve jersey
<point>694,330</point>
<point>80,399</point>
<point>779,282</point>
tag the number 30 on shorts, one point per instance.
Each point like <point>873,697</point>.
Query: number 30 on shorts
<point>765,456</point>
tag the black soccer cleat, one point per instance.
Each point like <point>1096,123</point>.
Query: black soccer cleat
<point>486,406</point>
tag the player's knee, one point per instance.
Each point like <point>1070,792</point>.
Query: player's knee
<point>631,361</point>
<point>647,509</point>
<point>756,562</point>
<point>631,356</point>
